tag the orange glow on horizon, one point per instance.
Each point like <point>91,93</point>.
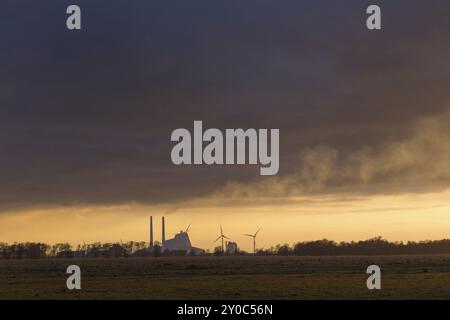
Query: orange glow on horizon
<point>396,218</point>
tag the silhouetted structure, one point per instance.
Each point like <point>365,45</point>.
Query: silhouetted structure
<point>222,236</point>
<point>232,248</point>
<point>179,244</point>
<point>254,239</point>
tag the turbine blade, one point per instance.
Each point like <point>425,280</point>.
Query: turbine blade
<point>257,232</point>
<point>248,235</point>
<point>218,238</point>
<point>226,237</point>
<point>221,232</point>
<point>187,229</point>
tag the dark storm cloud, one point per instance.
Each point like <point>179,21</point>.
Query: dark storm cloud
<point>86,116</point>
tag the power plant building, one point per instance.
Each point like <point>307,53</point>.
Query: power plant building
<point>180,242</point>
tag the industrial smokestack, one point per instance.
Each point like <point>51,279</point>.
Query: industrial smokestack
<point>151,231</point>
<point>163,231</point>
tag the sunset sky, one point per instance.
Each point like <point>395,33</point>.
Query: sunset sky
<point>86,119</point>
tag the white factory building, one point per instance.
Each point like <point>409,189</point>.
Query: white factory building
<point>180,242</point>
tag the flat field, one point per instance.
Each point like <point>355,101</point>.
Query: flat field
<point>403,277</point>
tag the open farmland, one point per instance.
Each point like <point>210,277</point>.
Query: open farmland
<point>403,277</point>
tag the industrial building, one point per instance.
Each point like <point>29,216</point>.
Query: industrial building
<point>232,248</point>
<point>180,242</point>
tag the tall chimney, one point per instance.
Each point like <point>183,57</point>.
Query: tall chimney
<point>163,235</point>
<point>151,231</point>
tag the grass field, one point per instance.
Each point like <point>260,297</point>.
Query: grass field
<point>403,277</point>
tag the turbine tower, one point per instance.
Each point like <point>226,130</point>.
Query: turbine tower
<point>223,237</point>
<point>254,240</point>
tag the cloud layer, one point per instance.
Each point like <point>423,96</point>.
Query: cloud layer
<point>420,162</point>
<point>86,117</point>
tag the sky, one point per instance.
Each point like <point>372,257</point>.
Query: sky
<point>86,119</point>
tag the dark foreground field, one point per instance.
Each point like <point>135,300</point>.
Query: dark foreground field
<point>410,277</point>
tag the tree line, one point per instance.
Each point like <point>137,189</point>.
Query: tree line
<point>373,246</point>
<point>33,250</point>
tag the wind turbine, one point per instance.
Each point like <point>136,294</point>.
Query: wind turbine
<point>222,236</point>
<point>185,231</point>
<point>254,240</point>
